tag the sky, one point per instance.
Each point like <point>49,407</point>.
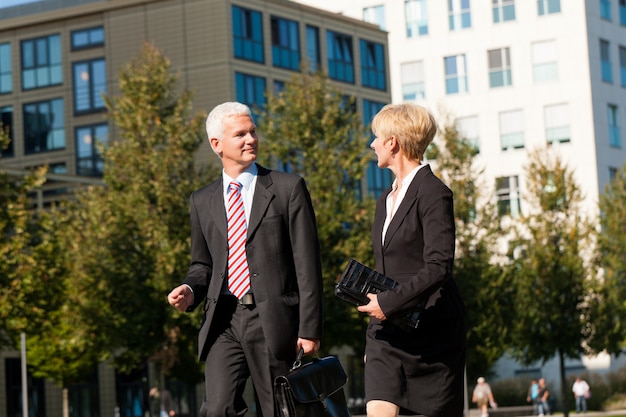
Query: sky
<point>9,3</point>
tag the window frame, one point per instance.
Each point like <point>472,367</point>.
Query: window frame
<point>94,89</point>
<point>89,33</point>
<point>340,56</point>
<point>285,43</point>
<point>499,76</point>
<point>45,68</point>
<point>58,140</point>
<point>6,68</point>
<point>373,73</point>
<point>94,157</point>
<point>457,79</point>
<point>248,43</point>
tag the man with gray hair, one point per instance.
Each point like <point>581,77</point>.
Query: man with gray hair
<point>255,267</point>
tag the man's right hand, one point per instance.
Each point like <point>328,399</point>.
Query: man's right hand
<point>181,297</point>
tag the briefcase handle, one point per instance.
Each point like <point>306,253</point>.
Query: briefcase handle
<point>298,362</point>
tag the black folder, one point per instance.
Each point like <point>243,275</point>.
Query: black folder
<point>358,280</point>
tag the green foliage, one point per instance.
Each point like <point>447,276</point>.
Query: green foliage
<point>309,129</point>
<point>129,240</point>
<point>608,306</point>
<point>550,276</point>
<point>486,291</point>
<point>34,286</point>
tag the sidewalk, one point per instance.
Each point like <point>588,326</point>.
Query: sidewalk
<point>473,412</point>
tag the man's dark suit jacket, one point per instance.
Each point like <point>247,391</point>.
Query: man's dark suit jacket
<point>283,256</point>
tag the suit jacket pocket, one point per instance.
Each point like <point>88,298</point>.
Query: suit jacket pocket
<point>291,298</point>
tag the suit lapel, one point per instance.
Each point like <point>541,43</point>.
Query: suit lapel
<point>261,200</point>
<point>214,201</point>
<point>379,220</point>
<point>407,203</point>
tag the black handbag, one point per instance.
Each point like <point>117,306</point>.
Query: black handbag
<point>313,389</point>
<point>358,280</point>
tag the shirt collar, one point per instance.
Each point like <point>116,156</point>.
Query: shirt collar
<point>245,178</point>
<point>408,179</point>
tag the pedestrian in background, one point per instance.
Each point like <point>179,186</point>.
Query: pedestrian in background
<point>533,393</point>
<point>543,408</point>
<point>483,397</point>
<point>581,393</point>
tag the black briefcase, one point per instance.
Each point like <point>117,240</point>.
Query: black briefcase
<point>358,280</point>
<point>314,389</point>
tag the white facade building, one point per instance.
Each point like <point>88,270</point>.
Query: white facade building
<point>515,75</point>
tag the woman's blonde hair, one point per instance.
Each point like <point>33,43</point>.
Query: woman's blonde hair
<point>413,126</point>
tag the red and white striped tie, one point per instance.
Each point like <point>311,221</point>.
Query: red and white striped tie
<point>238,272</point>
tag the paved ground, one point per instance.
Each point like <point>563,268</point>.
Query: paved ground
<point>475,413</point>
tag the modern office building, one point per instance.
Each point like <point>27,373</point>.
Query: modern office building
<point>57,58</point>
<point>515,76</point>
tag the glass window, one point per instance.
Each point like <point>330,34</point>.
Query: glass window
<point>84,399</point>
<point>44,126</point>
<point>416,18</point>
<point>377,179</point>
<point>605,9</point>
<point>503,10</point>
<point>622,65</point>
<point>89,162</point>
<point>370,108</point>
<point>250,91</point>
<point>41,62</point>
<point>469,129</point>
<point>605,62</point>
<point>557,122</point>
<point>548,7</point>
<point>511,130</point>
<point>459,14</point>
<point>248,34</point>
<point>615,139</point>
<point>373,65</point>
<point>285,43</point>
<point>340,57</point>
<point>545,67</point>
<point>456,74</point>
<point>6,72</point>
<point>313,55</point>
<point>622,12</point>
<point>412,74</point>
<point>35,386</point>
<point>6,121</point>
<point>89,85</point>
<point>508,196</point>
<point>376,15</point>
<point>87,38</point>
<point>499,67</point>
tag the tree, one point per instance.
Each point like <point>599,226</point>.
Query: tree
<point>606,329</point>
<point>34,293</point>
<point>550,275</point>
<point>311,129</point>
<point>129,239</point>
<point>486,291</point>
